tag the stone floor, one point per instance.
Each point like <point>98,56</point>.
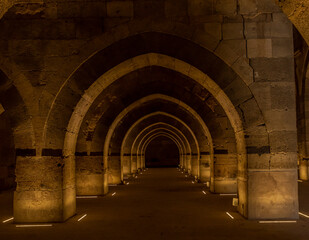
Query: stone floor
<point>158,204</point>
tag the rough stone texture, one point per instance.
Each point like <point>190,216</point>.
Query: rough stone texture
<point>89,175</point>
<point>114,170</point>
<point>273,195</point>
<point>297,11</point>
<point>205,168</point>
<point>40,201</point>
<point>43,59</point>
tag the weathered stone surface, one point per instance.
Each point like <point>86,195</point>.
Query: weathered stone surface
<point>61,48</point>
<point>272,195</point>
<point>89,175</point>
<point>200,7</point>
<point>214,29</point>
<point>273,69</point>
<point>119,9</point>
<point>225,7</point>
<point>259,48</point>
<point>232,31</point>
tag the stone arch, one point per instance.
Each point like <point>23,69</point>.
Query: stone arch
<point>135,146</point>
<point>184,68</point>
<point>161,134</point>
<point>191,111</point>
<point>137,143</point>
<point>163,61</point>
<point>132,106</point>
<point>177,141</point>
<point>135,139</point>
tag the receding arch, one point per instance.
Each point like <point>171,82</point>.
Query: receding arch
<point>136,146</point>
<point>175,140</point>
<point>162,132</point>
<point>185,106</point>
<point>144,100</point>
<point>139,102</point>
<point>185,149</point>
<point>166,135</point>
<point>164,61</point>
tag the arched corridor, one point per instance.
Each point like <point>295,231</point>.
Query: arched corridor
<point>93,92</point>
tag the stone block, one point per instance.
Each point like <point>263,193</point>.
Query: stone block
<point>238,91</point>
<point>149,8</point>
<point>114,170</point>
<point>280,120</point>
<point>68,9</point>
<point>254,6</point>
<point>89,184</point>
<point>272,195</point>
<point>54,29</point>
<point>256,30</point>
<point>225,185</point>
<point>256,161</point>
<point>225,7</point>
<point>273,69</point>
<point>244,70</point>
<point>259,48</point>
<point>261,17</point>
<point>38,173</point>
<point>200,7</point>
<point>262,94</point>
<point>281,96</point>
<point>247,6</point>
<point>93,9</point>
<point>38,206</point>
<point>176,8</point>
<point>281,29</point>
<point>232,31</point>
<point>195,166</point>
<point>126,165</point>
<point>119,9</point>
<point>251,114</point>
<point>213,29</point>
<point>225,52</point>
<point>267,6</point>
<point>205,168</point>
<point>284,160</point>
<point>283,141</point>
<point>237,45</point>
<point>282,47</point>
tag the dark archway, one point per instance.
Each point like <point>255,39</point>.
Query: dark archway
<point>162,152</point>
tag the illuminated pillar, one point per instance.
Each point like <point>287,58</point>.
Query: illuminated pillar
<point>195,165</point>
<point>89,175</point>
<point>126,158</point>
<point>40,194</point>
<point>224,177</point>
<point>303,169</point>
<point>133,163</point>
<point>114,168</point>
<point>205,168</point>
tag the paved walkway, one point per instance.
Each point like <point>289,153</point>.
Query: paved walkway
<point>158,204</point>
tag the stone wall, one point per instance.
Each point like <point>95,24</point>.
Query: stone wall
<point>246,46</point>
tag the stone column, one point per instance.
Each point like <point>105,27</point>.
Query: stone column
<point>126,164</point>
<point>225,172</point>
<point>39,192</point>
<point>195,165</point>
<point>89,175</point>
<point>205,167</point>
<point>134,163</point>
<point>114,169</point>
